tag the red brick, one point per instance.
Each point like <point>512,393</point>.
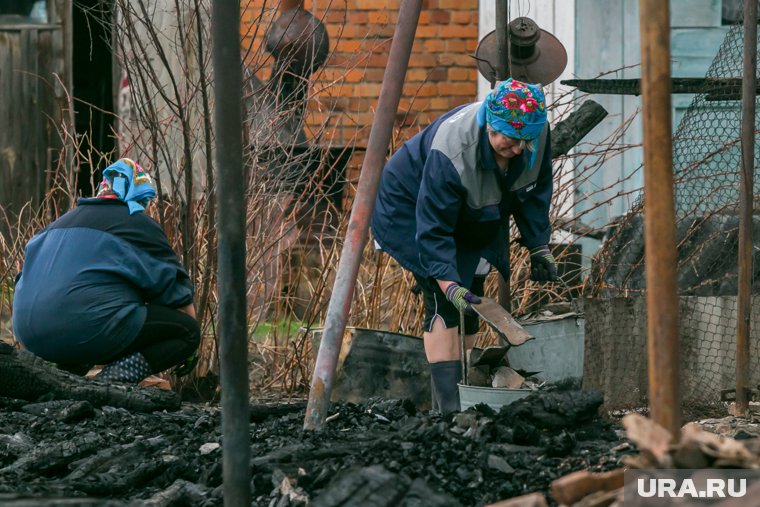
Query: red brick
<point>455,46</point>
<point>464,17</point>
<point>458,5</point>
<point>427,31</point>
<point>354,75</point>
<point>358,17</point>
<point>414,74</point>
<point>347,46</point>
<point>371,5</point>
<point>458,31</point>
<point>462,60</point>
<point>366,90</point>
<point>471,45</point>
<point>460,74</point>
<point>440,104</point>
<point>347,31</point>
<point>379,18</point>
<point>440,17</point>
<point>452,89</point>
<point>375,60</point>
<point>434,45</point>
<point>374,75</point>
<point>420,89</point>
<point>422,60</point>
<point>334,16</point>
<point>437,74</point>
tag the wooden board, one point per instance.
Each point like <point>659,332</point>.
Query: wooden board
<point>502,322</point>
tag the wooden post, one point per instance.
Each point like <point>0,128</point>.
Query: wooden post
<point>659,217</point>
<point>746,184</point>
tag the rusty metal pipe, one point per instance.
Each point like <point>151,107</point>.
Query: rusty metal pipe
<point>504,291</point>
<point>233,353</point>
<point>659,217</point>
<point>746,184</point>
<point>361,213</point>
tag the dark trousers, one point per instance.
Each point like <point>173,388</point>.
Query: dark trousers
<point>167,338</point>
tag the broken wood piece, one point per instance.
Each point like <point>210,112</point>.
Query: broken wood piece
<point>489,356</point>
<point>530,500</point>
<point>479,376</point>
<point>601,499</point>
<point>649,437</point>
<point>724,451</point>
<point>574,487</point>
<point>502,322</point>
<point>25,376</point>
<point>504,376</point>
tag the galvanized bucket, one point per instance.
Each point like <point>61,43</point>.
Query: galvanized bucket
<point>494,397</point>
<point>557,351</point>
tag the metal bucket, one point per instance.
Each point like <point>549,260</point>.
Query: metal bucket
<point>494,397</point>
<point>375,362</point>
<point>557,351</point>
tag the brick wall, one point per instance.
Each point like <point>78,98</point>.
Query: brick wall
<point>441,74</point>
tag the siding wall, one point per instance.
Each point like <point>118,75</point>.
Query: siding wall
<point>607,38</point>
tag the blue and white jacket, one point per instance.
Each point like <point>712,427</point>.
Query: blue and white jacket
<point>443,202</point>
<point>87,277</point>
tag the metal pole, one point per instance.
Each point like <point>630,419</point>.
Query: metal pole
<point>504,294</point>
<point>659,217</point>
<point>746,184</point>
<point>233,353</point>
<point>361,212</point>
<point>502,40</point>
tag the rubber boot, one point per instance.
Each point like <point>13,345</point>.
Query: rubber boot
<point>433,397</point>
<point>130,369</point>
<point>445,376</point>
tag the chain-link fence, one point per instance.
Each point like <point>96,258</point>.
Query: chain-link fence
<point>707,167</point>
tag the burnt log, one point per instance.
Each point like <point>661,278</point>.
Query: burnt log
<point>375,486</point>
<point>569,132</point>
<point>14,500</point>
<point>50,459</point>
<point>181,492</point>
<point>25,376</point>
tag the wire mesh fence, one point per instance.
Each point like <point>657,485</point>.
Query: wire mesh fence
<point>707,164</point>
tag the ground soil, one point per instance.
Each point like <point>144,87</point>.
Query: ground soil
<point>381,452</point>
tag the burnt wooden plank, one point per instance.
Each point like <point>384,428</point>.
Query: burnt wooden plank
<point>27,377</point>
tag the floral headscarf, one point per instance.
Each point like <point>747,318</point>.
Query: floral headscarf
<point>515,109</point>
<point>130,182</point>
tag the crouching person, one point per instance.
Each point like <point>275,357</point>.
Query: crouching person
<point>102,285</point>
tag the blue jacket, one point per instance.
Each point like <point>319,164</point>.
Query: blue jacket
<point>87,277</point>
<point>443,202</point>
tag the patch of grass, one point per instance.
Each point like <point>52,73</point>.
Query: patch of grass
<point>285,328</point>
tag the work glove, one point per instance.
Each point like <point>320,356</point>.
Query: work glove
<point>543,267</point>
<point>186,366</point>
<point>461,298</point>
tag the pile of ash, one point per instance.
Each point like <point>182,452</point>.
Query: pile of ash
<point>378,453</point>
